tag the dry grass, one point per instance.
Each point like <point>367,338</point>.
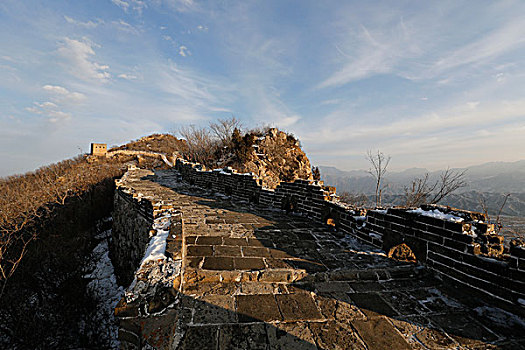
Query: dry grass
<point>28,199</point>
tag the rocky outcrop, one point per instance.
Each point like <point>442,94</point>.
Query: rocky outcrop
<point>273,157</point>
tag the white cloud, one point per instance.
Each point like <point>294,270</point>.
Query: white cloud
<point>7,58</point>
<point>473,104</point>
<point>287,121</point>
<point>202,28</point>
<point>183,51</point>
<point>56,89</point>
<point>88,24</point>
<point>420,45</point>
<point>49,110</point>
<point>187,85</point>
<point>63,95</point>
<point>136,5</point>
<point>125,27</point>
<point>501,40</point>
<point>421,133</point>
<point>122,4</point>
<point>181,5</point>
<point>372,52</point>
<point>78,55</point>
<point>333,101</point>
<point>127,76</point>
<point>60,96</point>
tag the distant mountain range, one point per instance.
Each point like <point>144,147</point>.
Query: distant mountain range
<point>490,180</point>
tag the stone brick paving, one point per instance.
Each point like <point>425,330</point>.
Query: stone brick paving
<point>254,278</point>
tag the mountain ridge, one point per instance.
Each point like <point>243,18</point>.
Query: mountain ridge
<point>500,177</point>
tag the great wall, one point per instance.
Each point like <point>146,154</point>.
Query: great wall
<point>215,261</point>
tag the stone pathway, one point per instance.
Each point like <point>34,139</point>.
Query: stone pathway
<point>254,278</point>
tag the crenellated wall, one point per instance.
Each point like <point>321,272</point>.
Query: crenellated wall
<point>459,245</point>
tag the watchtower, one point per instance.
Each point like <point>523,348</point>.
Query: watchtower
<point>99,149</point>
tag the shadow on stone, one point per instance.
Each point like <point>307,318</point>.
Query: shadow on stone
<point>262,278</point>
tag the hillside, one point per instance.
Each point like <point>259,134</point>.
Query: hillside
<point>161,143</point>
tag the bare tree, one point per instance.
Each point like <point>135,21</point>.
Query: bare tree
<point>358,199</point>
<point>201,145</point>
<point>422,191</point>
<point>483,203</point>
<point>223,129</point>
<point>379,163</point>
<point>450,181</point>
<point>418,191</point>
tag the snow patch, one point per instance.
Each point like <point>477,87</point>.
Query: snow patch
<point>437,214</point>
<point>103,288</point>
<point>358,247</point>
<point>501,317</point>
<point>375,235</point>
<point>157,244</point>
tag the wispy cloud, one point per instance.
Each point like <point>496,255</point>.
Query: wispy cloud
<point>125,27</point>
<point>187,85</point>
<point>471,114</point>
<point>370,51</point>
<point>127,76</point>
<point>50,110</point>
<point>60,97</point>
<point>499,41</point>
<point>181,5</point>
<point>88,24</point>
<point>183,51</point>
<point>122,4</point>
<point>135,5</point>
<point>417,46</point>
<point>79,60</point>
<point>63,95</point>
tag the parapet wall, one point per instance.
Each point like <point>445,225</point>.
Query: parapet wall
<point>146,253</point>
<point>132,221</point>
<point>459,245</point>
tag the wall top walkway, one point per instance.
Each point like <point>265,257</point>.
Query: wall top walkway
<point>248,276</point>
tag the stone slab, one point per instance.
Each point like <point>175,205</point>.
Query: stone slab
<point>261,307</point>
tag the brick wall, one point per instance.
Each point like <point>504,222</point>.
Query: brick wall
<point>132,221</point>
<point>467,253</point>
<point>152,290</point>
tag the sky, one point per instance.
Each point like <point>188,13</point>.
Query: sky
<point>430,83</point>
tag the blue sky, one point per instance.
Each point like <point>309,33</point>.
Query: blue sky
<point>432,83</point>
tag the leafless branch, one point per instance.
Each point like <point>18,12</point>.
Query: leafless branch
<point>223,129</point>
<point>421,191</point>
<point>379,163</point>
<point>201,145</point>
<point>449,182</point>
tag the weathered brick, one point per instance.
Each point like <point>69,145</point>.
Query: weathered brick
<point>199,250</point>
<point>462,247</point>
<point>248,263</point>
<point>262,307</point>
<point>218,263</point>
